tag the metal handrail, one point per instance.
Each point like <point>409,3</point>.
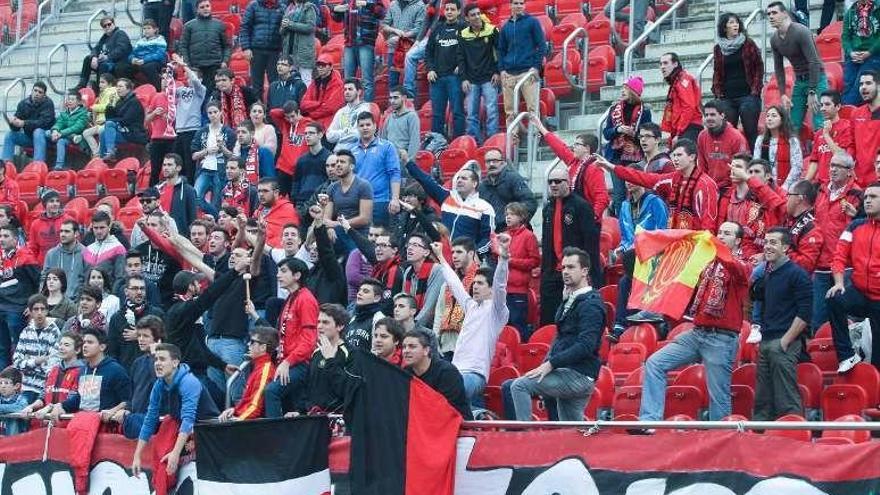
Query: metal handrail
<point>628,53</point>
<point>66,67</point>
<point>128,13</point>
<point>89,22</point>
<point>686,425</point>
<point>759,10</point>
<point>601,125</point>
<point>19,81</point>
<point>531,148</point>
<point>584,62</point>
<point>39,36</point>
<point>508,144</point>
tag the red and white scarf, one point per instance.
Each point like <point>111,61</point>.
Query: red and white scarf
<point>233,108</point>
<point>252,164</point>
<point>171,98</point>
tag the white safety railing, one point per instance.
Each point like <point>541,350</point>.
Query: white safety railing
<point>39,34</point>
<point>756,14</point>
<point>634,44</point>
<point>18,82</point>
<point>128,13</point>
<point>579,82</point>
<point>531,136</point>
<point>91,22</point>
<point>64,74</point>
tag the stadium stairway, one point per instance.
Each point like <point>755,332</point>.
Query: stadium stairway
<point>70,28</point>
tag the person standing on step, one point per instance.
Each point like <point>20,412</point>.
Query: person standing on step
<point>204,44</point>
<point>622,147</point>
<point>260,39</point>
<point>682,117</point>
<point>738,75</point>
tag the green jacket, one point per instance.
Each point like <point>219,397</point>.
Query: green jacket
<point>72,123</point>
<point>851,41</point>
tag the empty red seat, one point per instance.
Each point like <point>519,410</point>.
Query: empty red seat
<point>128,217</point>
<point>531,355</point>
<point>627,401</point>
<point>451,160</point>
<point>37,167</point>
<point>545,334</point>
<point>88,184</point>
<point>742,398</point>
<point>683,399</point>
<point>694,376</point>
<point>822,353</point>
<point>605,383</point>
<point>63,181</point>
<point>565,28</point>
<point>829,47</point>
<point>465,143</point>
<point>30,187</point>
<point>802,435</point>
<point>842,399</point>
<point>116,183</point>
<point>599,29</point>
<point>634,378</point>
<point>643,333</point>
<point>130,163</point>
<point>810,384</point>
<point>554,76</point>
<point>78,209</point>
<point>854,436</point>
<point>111,201</point>
<point>500,375</point>
<point>626,357</point>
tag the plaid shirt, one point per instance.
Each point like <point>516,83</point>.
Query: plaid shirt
<point>361,23</point>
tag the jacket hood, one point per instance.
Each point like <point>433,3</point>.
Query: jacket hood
<point>103,364</point>
<point>77,249</point>
<point>179,375</point>
<point>77,363</point>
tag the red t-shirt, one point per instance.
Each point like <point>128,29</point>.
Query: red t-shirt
<point>842,134</point>
<point>714,153</point>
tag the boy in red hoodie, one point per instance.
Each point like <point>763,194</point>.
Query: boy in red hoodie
<point>524,257</point>
<point>261,346</point>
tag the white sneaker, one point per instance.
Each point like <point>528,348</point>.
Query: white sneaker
<point>754,335</point>
<point>848,364</point>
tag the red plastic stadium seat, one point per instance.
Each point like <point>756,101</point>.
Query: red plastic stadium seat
<point>683,399</point>
<point>626,357</point>
<point>742,400</point>
<point>494,402</point>
<point>802,435</point>
<point>116,183</point>
<point>11,172</point>
<point>500,375</point>
<point>62,181</point>
<point>544,335</point>
<point>591,410</point>
<point>78,208</point>
<point>834,73</point>
<point>130,163</point>
<point>144,93</point>
<point>96,164</point>
<point>599,30</point>
<point>566,27</point>
<point>694,376</point>
<point>111,201</point>
<point>635,378</point>
<point>643,333</point>
<point>451,160</point>
<point>510,338</point>
<point>854,436</point>
<point>605,383</point>
<point>29,186</point>
<point>425,161</point>
<point>532,355</point>
<point>464,143</point>
<point>627,401</point>
<point>554,77</point>
<point>87,184</point>
<point>88,96</point>
<point>822,353</point>
<point>128,217</point>
<point>38,167</point>
<point>829,47</point>
<point>839,400</point>
<point>810,383</point>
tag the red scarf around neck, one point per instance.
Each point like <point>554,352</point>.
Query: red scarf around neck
<point>252,164</point>
<point>233,108</point>
<point>422,283</point>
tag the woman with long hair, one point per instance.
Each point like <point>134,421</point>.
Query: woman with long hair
<point>55,288</point>
<point>264,133</point>
<point>210,147</point>
<point>780,147</point>
<point>100,279</point>
<point>738,74</point>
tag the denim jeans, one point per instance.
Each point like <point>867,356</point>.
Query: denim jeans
<point>447,90</point>
<point>571,390</point>
<point>20,138</point>
<point>363,57</point>
<point>799,104</point>
<point>276,394</point>
<point>60,153</point>
<point>474,384</point>
<point>415,55</point>
<point>716,350</point>
<point>232,351</point>
<point>745,109</point>
<point>211,180</point>
<point>853,303</point>
<point>489,94</point>
<point>111,137</point>
<point>518,304</point>
<point>851,73</point>
<point>11,325</point>
<point>380,213</point>
<point>822,281</point>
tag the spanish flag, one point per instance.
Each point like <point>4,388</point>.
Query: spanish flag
<point>668,267</point>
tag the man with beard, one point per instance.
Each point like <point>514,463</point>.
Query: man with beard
<point>121,331</point>
<point>681,117</point>
<point>238,191</point>
<point>382,255</point>
<point>569,221</point>
<point>504,185</point>
<point>625,118</point>
<point>217,256</point>
<point>450,312</point>
<point>718,308</point>
<point>324,95</point>
<point>343,130</point>
<point>275,210</point>
<point>44,229</point>
<point>68,256</point>
<point>866,128</point>
<point>176,196</point>
<point>717,144</point>
<point>835,136</point>
<point>421,360</point>
<point>402,125</point>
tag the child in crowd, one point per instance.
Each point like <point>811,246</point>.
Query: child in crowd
<point>12,401</point>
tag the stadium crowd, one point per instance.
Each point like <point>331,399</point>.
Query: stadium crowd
<point>286,228</point>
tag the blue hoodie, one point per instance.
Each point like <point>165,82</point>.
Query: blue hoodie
<point>521,45</point>
<point>188,402</point>
<point>102,387</point>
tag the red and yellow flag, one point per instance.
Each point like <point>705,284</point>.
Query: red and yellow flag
<point>668,267</point>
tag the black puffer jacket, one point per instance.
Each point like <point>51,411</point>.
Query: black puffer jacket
<point>204,42</point>
<point>36,114</point>
<point>116,45</point>
<point>261,26</point>
<point>129,113</point>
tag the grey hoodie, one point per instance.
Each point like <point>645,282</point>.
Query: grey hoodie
<point>69,260</point>
<point>403,131</point>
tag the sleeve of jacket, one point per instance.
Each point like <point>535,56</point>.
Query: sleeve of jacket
<point>190,391</point>
<point>414,133</point>
<point>717,72</point>
<point>364,245</point>
<point>305,343</point>
<point>247,26</point>
<point>430,49</point>
<point>151,418</point>
<point>434,190</point>
<point>306,24</point>
<point>540,41</point>
<point>843,252</point>
<point>530,258</point>
<point>121,48</point>
<point>803,293</point>
<point>487,226</point>
<point>689,101</point>
<point>326,255</point>
<point>158,54</point>
<point>598,192</point>
<point>590,314</point>
<point>807,251</point>
<point>559,147</point>
<point>501,48</point>
<point>225,42</point>
<point>184,43</point>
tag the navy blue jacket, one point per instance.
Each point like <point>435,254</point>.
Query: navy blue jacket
<point>261,26</point>
<point>115,386</point>
<point>788,293</point>
<point>579,335</point>
<point>521,45</point>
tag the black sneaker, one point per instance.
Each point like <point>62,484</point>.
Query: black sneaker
<point>645,317</point>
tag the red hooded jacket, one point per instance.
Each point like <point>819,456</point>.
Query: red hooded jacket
<point>293,143</point>
<point>857,248</point>
<point>682,104</point>
<point>832,221</point>
<point>320,102</point>
<point>524,257</point>
<point>44,234</point>
<point>276,217</point>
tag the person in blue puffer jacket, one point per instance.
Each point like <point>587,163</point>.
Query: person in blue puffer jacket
<point>260,38</point>
<point>148,56</point>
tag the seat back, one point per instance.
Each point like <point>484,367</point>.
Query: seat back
<point>626,357</point>
<point>643,333</point>
<point>842,399</point>
<point>545,334</point>
<point>866,376</point>
<point>695,376</point>
<point>802,435</point>
<point>532,355</point>
<point>854,436</point>
<point>683,399</point>
<point>627,401</point>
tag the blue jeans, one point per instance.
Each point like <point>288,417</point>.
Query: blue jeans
<point>110,137</point>
<point>19,138</point>
<point>11,325</point>
<point>231,351</point>
<point>474,384</point>
<point>571,390</point>
<point>363,57</point>
<point>415,55</point>
<point>211,180</point>
<point>277,394</point>
<point>60,153</point>
<point>716,350</point>
<point>447,90</point>
<point>851,73</point>
<point>822,281</point>
<point>518,304</point>
<point>489,94</point>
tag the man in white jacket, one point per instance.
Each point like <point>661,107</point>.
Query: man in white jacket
<point>485,314</point>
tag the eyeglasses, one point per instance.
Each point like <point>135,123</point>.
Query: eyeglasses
<point>837,165</point>
<point>147,200</point>
<point>576,143</point>
<point>383,245</point>
<point>556,182</point>
<point>137,289</point>
<point>493,160</point>
<point>415,244</point>
<point>794,194</point>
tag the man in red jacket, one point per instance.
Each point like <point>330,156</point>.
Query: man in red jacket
<point>751,203</point>
<point>718,309</point>
<point>718,143</point>
<point>857,250</point>
<point>866,127</point>
<point>838,203</point>
<point>323,97</point>
<point>44,229</point>
<point>806,238</point>
<point>297,329</point>
<point>835,136</point>
<point>681,117</point>
<point>9,192</point>
<point>691,194</point>
<point>586,178</point>
<point>276,210</point>
<point>292,126</point>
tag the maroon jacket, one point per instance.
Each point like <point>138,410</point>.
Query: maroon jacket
<point>753,63</point>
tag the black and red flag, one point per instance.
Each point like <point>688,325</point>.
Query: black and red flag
<point>403,432</point>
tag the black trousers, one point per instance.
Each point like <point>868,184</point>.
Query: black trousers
<point>158,149</point>
<point>263,63</point>
<point>183,147</point>
<point>551,296</point>
<point>151,70</point>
